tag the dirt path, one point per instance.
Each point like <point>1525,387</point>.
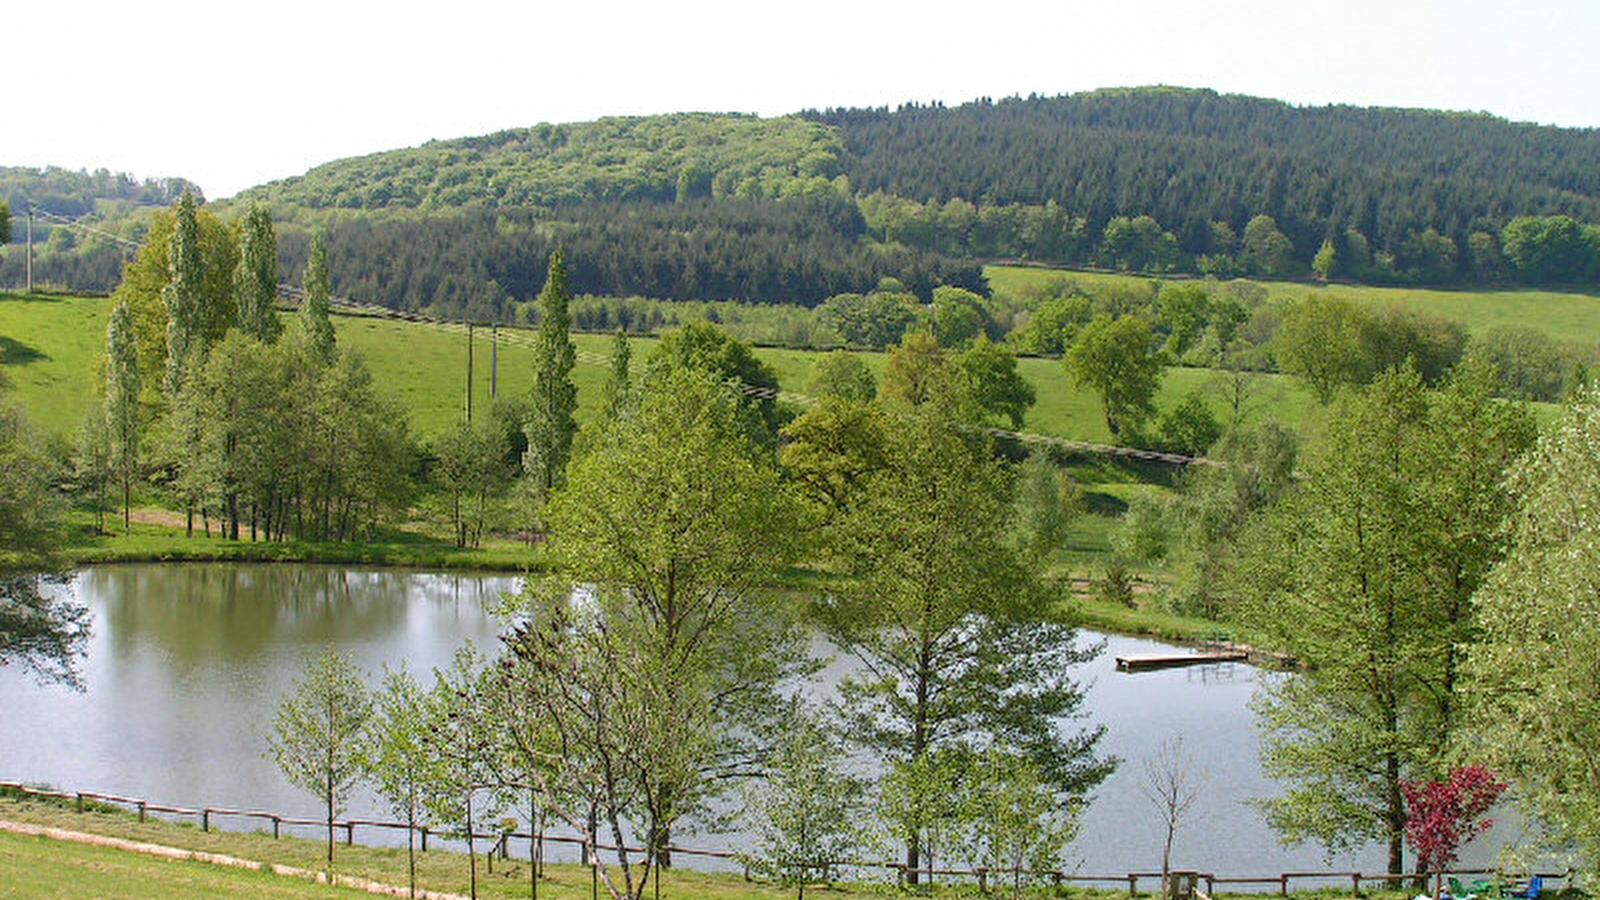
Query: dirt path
<point>218,859</point>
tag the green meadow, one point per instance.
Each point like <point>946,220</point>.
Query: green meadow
<point>53,347</point>
<point>1566,315</point>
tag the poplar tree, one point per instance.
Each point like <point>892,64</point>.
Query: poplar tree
<point>122,401</point>
<point>617,382</point>
<point>182,295</point>
<point>255,281</point>
<point>314,308</point>
<point>555,399</point>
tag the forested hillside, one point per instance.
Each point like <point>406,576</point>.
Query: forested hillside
<point>796,209</point>
<point>655,158</point>
<point>760,251</point>
<point>1189,158</point>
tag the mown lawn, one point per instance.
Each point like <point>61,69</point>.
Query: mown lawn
<point>37,868</point>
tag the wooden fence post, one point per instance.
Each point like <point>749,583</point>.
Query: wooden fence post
<point>349,833</point>
<point>1355,884</point>
<point>1133,885</point>
<point>205,820</point>
<point>424,839</point>
<point>1283,885</point>
<point>141,810</point>
<point>277,823</point>
<point>80,801</point>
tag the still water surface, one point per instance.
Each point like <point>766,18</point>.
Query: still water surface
<point>187,663</point>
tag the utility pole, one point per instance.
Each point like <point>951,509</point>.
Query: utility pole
<point>30,247</point>
<point>469,371</point>
<point>494,357</point>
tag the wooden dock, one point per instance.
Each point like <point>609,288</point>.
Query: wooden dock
<point>1148,661</point>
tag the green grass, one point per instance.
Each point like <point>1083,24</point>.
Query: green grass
<point>36,867</point>
<point>146,542</point>
<point>1566,315</point>
<point>53,375</point>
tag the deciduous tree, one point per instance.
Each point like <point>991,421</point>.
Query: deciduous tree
<point>318,739</point>
<point>1532,672</point>
<point>555,398</point>
<point>959,645</point>
<point>255,281</point>
<point>121,409</point>
<point>1117,359</point>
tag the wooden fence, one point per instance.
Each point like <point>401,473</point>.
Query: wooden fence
<point>902,873</point>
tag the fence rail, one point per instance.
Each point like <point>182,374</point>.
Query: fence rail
<point>902,872</point>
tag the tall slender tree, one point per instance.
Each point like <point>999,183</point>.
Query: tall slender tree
<point>555,398</point>
<point>314,308</point>
<point>122,402</point>
<point>255,281</point>
<point>182,296</point>
<point>617,382</point>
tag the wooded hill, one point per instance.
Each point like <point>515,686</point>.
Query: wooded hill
<point>710,206</point>
<point>1192,157</point>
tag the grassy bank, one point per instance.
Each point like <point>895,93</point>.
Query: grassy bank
<point>152,542</point>
<point>46,868</point>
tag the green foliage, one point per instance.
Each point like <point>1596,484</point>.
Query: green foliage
<point>804,813</point>
<point>1044,503</point>
<point>843,375</point>
<point>916,371</point>
<point>1190,427</point>
<point>704,348</point>
<point>959,315</point>
<point>1019,828</point>
<point>551,422</point>
<point>255,281</point>
<point>1320,342</point>
<point>1541,250</point>
<point>399,760</point>
<point>1117,359</point>
<point>5,223</point>
<point>673,527</point>
<point>147,279</point>
<point>833,447</point>
<point>1185,309</point>
<point>986,373</point>
<point>314,305</point>
<point>1529,364</point>
<point>121,406</point>
<point>1326,262</point>
<point>1138,244</point>
<point>612,159</point>
<point>1530,673</point>
<point>873,321</point>
<point>469,467</point>
<point>1364,573</point>
<point>29,511</point>
<point>619,381</point>
<point>947,620</point>
<point>1266,250</point>
<point>186,328</point>
<point>318,737</point>
<point>1051,328</point>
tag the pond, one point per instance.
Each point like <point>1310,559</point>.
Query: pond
<point>187,663</point>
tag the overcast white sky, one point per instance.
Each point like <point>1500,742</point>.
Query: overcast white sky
<point>230,94</point>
